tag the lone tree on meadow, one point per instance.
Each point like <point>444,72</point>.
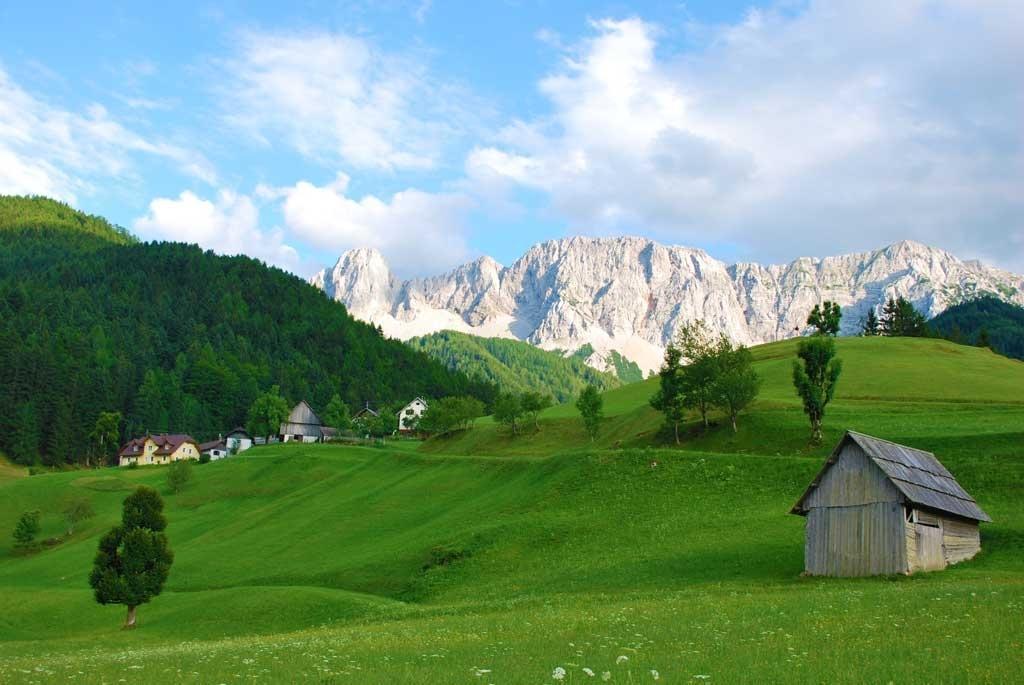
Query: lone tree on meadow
<point>825,318</point>
<point>134,559</point>
<point>179,473</point>
<point>533,403</point>
<point>591,407</point>
<point>816,377</point>
<point>26,529</point>
<point>76,510</point>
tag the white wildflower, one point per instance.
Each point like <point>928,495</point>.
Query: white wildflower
<point>558,673</point>
<point>606,676</point>
<point>588,671</point>
<point>622,658</point>
<point>655,674</point>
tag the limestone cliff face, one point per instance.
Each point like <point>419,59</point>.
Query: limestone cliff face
<point>631,294</point>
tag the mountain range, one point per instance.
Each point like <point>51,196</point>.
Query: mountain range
<point>630,295</point>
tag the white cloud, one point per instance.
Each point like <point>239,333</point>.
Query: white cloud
<point>841,126</point>
<point>229,226</point>
<point>418,232</point>
<point>52,151</point>
<point>340,100</point>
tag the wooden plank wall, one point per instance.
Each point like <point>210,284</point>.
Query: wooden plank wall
<point>854,479</point>
<point>862,540</point>
<point>961,540</point>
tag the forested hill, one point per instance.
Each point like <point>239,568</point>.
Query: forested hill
<point>514,365</point>
<point>1002,323</point>
<point>173,337</point>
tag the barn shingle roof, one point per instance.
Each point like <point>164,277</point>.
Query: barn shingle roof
<point>917,474</point>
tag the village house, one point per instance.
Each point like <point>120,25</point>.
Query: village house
<point>410,414</point>
<point>303,425</point>
<point>877,508</point>
<point>215,449</point>
<point>158,449</point>
<point>365,414</point>
<point>237,441</point>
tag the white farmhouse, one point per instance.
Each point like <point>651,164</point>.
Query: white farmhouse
<point>237,441</point>
<point>410,414</point>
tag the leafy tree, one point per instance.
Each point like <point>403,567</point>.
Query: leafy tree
<point>134,559</point>
<point>701,371</point>
<point>669,398</point>
<point>508,410</point>
<point>450,413</point>
<point>899,318</point>
<point>179,474</point>
<point>870,326</point>
<point>533,403</point>
<point>336,414</point>
<point>384,424</point>
<point>76,510</point>
<point>105,435</point>
<point>26,530</point>
<point>268,412</point>
<point>591,407</point>
<point>825,318</point>
<point>815,379</point>
<point>736,383</point>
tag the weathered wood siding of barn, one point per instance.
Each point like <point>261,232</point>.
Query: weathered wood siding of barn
<point>854,479</point>
<point>961,540</point>
<point>855,522</point>
<point>862,540</point>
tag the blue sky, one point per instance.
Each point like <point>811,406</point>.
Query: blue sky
<point>440,131</point>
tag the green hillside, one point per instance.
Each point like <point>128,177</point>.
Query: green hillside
<point>513,365</point>
<point>173,337</point>
<point>1002,322</point>
<point>899,388</point>
<point>346,564</point>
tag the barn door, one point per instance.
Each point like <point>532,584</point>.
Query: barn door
<point>929,548</point>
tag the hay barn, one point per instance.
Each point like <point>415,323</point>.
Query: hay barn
<point>877,508</point>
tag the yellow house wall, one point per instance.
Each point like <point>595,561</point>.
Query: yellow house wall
<point>148,456</point>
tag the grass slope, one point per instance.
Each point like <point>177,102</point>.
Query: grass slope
<point>346,564</point>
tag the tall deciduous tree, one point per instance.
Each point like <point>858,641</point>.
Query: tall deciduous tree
<point>134,558</point>
<point>179,474</point>
<point>669,398</point>
<point>533,403</point>
<point>76,510</point>
<point>699,352</point>
<point>508,410</point>
<point>336,414</point>
<point>105,435</point>
<point>267,413</point>
<point>816,377</point>
<point>736,383</point>
<point>825,318</point>
<point>591,407</point>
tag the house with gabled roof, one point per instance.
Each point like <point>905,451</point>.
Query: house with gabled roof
<point>410,414</point>
<point>878,507</point>
<point>303,425</point>
<point>161,448</point>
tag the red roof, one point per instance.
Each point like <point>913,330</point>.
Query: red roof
<point>165,444</point>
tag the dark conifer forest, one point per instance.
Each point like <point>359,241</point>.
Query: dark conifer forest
<point>173,337</point>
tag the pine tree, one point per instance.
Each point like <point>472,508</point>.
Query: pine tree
<point>870,323</point>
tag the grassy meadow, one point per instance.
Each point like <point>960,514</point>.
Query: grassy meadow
<point>484,558</point>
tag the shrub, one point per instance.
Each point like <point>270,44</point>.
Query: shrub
<point>26,530</point>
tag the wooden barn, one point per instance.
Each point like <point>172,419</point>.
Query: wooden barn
<point>877,507</point>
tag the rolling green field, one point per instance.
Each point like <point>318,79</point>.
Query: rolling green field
<point>491,559</point>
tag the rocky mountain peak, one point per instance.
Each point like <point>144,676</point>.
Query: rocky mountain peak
<point>630,294</point>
